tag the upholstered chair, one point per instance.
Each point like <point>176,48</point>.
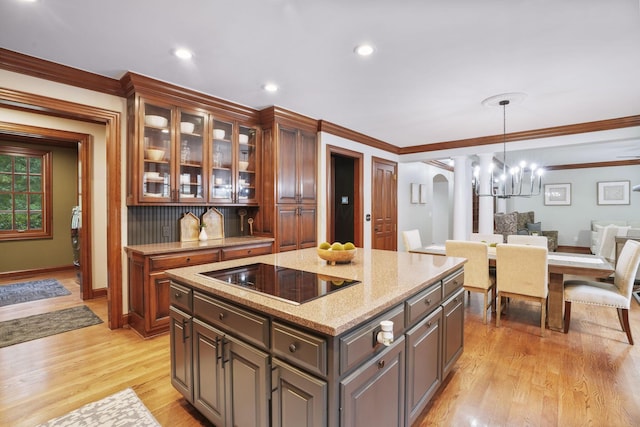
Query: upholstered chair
<point>411,239</point>
<point>520,239</point>
<point>522,273</point>
<point>615,295</point>
<point>476,270</point>
<point>487,238</point>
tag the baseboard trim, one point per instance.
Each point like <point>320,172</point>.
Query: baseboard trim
<point>35,271</point>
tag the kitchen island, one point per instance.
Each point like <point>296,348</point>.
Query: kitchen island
<point>243,357</point>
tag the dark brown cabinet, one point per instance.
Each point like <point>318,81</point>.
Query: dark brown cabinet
<point>296,227</point>
<point>297,166</point>
<point>149,287</point>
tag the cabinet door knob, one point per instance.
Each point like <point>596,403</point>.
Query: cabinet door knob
<point>292,348</point>
<point>381,364</point>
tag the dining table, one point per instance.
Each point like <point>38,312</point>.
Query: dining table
<point>560,265</point>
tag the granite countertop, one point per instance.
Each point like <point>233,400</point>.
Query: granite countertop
<point>387,278</point>
<point>172,247</point>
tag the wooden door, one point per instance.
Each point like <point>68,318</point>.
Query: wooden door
<point>384,205</point>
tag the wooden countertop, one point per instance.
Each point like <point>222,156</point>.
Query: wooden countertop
<point>172,247</point>
<point>387,278</point>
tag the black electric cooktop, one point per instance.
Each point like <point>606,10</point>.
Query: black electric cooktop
<point>288,284</point>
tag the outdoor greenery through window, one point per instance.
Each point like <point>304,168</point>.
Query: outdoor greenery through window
<point>25,193</point>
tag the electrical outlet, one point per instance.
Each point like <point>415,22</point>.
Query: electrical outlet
<point>166,230</point>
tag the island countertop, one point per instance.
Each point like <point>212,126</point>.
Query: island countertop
<point>173,247</point>
<point>386,279</point>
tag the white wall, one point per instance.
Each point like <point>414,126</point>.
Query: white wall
<point>574,222</point>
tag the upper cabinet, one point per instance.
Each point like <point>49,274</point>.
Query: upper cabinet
<point>297,166</point>
<point>184,148</point>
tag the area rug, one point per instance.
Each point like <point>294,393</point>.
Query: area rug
<point>122,409</point>
<point>31,291</point>
<point>43,325</point>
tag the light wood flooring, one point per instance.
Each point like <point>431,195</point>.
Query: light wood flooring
<point>506,377</point>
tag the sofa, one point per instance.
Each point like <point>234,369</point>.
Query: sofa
<point>524,223</point>
<point>625,228</point>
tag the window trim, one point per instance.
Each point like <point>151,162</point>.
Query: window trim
<point>47,194</point>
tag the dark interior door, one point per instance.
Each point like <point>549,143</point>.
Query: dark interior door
<point>384,205</point>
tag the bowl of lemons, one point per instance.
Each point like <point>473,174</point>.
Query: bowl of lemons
<point>337,253</point>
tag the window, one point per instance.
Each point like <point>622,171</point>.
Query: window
<point>25,193</point>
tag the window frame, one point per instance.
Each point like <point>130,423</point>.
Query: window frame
<point>46,232</point>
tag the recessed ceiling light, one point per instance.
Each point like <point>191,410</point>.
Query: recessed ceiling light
<point>183,53</point>
<point>364,49</point>
<point>270,87</point>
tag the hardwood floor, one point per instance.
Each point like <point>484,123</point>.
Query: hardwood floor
<point>506,377</point>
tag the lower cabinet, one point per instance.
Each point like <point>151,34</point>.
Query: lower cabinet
<point>453,337</point>
<point>374,394</point>
<point>230,379</point>
<point>296,227</point>
<point>181,346</point>
<point>424,361</point>
<point>298,399</point>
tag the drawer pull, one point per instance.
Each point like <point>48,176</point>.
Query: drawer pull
<point>221,316</point>
<point>428,325</point>
<point>188,260</point>
<point>427,301</point>
<point>380,364</point>
<point>178,295</point>
<point>292,348</point>
<point>249,251</point>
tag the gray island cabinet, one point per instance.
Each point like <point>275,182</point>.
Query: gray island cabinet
<point>246,358</point>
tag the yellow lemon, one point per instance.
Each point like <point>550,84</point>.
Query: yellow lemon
<point>337,246</point>
<point>349,246</point>
<point>324,245</point>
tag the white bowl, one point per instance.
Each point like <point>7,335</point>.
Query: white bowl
<point>243,138</point>
<point>243,165</point>
<point>157,121</point>
<point>152,175</point>
<point>187,127</point>
<point>154,154</point>
<point>218,133</point>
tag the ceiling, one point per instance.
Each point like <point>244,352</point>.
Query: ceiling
<point>434,62</point>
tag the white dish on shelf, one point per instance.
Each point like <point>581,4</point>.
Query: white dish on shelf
<point>187,127</point>
<point>243,165</point>
<point>156,121</point>
<point>154,154</point>
<point>152,175</point>
<point>152,194</point>
<point>187,196</point>
<point>218,133</point>
<point>243,138</point>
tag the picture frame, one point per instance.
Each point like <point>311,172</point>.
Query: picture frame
<point>415,193</point>
<point>613,192</point>
<point>423,193</point>
<point>557,194</point>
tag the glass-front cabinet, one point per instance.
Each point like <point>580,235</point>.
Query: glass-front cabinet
<point>173,155</point>
<point>233,163</point>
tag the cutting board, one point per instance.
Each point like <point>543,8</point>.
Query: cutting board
<point>213,221</point>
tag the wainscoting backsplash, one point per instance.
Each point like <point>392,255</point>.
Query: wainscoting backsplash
<point>159,224</point>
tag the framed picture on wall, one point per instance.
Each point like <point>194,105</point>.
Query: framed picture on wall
<point>415,193</point>
<point>613,192</point>
<point>557,194</point>
<point>423,193</point>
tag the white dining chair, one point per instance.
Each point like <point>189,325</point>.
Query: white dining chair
<point>522,273</point>
<point>615,295</point>
<point>523,239</point>
<point>411,239</point>
<point>476,270</point>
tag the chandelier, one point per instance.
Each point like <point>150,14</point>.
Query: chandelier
<point>518,181</point>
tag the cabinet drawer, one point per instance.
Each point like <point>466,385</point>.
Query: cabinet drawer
<point>181,297</point>
<point>452,283</point>
<point>426,301</point>
<point>235,320</point>
<point>361,344</point>
<point>300,348</point>
<point>246,251</point>
<point>185,259</point>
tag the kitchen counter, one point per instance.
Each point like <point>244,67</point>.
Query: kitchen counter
<point>387,278</point>
<point>174,247</point>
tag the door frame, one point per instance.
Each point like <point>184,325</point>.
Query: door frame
<point>358,196</point>
<point>39,104</point>
<point>83,143</point>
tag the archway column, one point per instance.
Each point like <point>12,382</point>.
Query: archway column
<point>485,203</point>
<point>462,214</point>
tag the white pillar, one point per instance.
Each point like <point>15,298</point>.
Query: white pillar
<point>485,205</point>
<point>461,198</point>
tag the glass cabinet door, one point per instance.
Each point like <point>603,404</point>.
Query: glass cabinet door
<point>247,162</point>
<point>222,158</point>
<point>157,152</point>
<point>191,181</point>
